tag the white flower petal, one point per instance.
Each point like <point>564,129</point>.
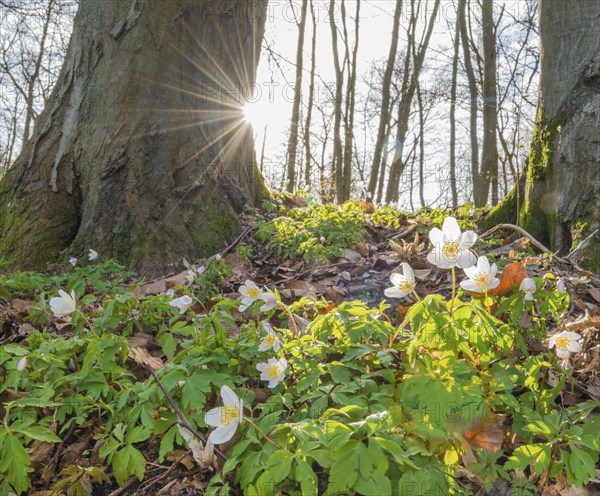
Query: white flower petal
<point>468,238</point>
<point>560,353</point>
<point>276,346</point>
<point>483,264</point>
<point>407,271</point>
<point>224,433</point>
<point>451,228</point>
<point>394,293</point>
<point>494,283</point>
<point>471,271</point>
<point>436,236</point>
<point>469,285</point>
<point>552,341</point>
<point>213,417</point>
<point>574,347</point>
<point>396,278</point>
<point>528,296</point>
<point>466,259</point>
<point>571,336</point>
<point>229,397</point>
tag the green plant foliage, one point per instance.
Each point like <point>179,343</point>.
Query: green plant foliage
<point>365,407</point>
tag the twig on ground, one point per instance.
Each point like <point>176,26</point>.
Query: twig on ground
<point>122,489</point>
<point>404,233</point>
<point>305,272</point>
<point>237,240</point>
<point>534,241</point>
<point>182,420</point>
<point>155,480</point>
<point>582,245</point>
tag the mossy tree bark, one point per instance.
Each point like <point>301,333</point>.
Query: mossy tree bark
<point>561,201</point>
<point>142,152</point>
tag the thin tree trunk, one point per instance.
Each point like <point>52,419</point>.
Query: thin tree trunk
<point>405,106</point>
<point>473,94</point>
<point>489,148</point>
<point>293,141</point>
<point>350,105</point>
<point>453,116</point>
<point>421,148</point>
<point>311,96</point>
<point>384,117</point>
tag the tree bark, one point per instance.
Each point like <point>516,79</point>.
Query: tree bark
<point>473,95</point>
<point>560,206</point>
<point>142,152</point>
<point>338,153</point>
<point>489,148</point>
<point>453,115</point>
<point>295,121</point>
<point>385,101</point>
<point>397,165</point>
<point>311,96</point>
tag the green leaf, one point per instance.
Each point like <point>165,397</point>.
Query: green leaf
<point>36,432</point>
<point>279,465</point>
<point>376,484</point>
<point>137,434</point>
<point>344,465</point>
<point>307,478</point>
<point>582,466</point>
<point>126,462</point>
<point>15,463</point>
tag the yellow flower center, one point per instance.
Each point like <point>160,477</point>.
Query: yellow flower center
<point>269,340</point>
<point>253,292</point>
<point>273,371</point>
<point>451,250</point>
<point>229,413</point>
<point>405,285</point>
<point>482,279</point>
<point>562,342</point>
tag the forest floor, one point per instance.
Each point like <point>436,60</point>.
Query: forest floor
<point>82,414</point>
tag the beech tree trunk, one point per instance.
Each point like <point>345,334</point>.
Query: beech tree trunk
<point>295,121</point>
<point>142,152</point>
<point>561,206</point>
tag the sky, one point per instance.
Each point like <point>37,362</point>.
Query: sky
<point>272,104</point>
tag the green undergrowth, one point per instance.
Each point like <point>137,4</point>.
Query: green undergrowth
<point>367,406</point>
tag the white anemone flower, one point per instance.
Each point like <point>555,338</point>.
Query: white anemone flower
<point>528,287</point>
<point>403,284</point>
<point>22,364</point>
<point>451,247</point>
<point>272,371</point>
<point>251,293</point>
<point>73,261</point>
<point>182,303</point>
<point>64,304</point>
<point>200,270</point>
<point>170,292</point>
<point>560,286</point>
<point>190,276</point>
<point>92,255</point>
<point>565,342</point>
<point>225,418</point>
<point>482,277</point>
<point>270,340</point>
<point>270,301</point>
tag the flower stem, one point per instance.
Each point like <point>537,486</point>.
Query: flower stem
<point>87,322</point>
<point>416,295</point>
<point>262,433</point>
<point>453,291</point>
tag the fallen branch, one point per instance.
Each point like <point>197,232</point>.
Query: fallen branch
<point>182,420</point>
<point>582,245</point>
<point>404,233</point>
<point>534,241</point>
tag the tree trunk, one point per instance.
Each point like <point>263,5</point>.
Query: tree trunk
<point>311,96</point>
<point>453,115</point>
<point>473,95</point>
<point>397,165</point>
<point>293,141</point>
<point>489,147</point>
<point>338,154</point>
<point>142,152</point>
<point>385,101</point>
<point>560,206</point>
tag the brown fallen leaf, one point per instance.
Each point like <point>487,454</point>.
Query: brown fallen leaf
<point>20,306</point>
<point>151,288</point>
<point>142,357</point>
<point>594,293</point>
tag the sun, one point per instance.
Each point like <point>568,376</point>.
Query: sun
<point>254,114</point>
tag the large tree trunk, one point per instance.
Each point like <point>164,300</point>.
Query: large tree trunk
<point>142,152</point>
<point>561,206</point>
